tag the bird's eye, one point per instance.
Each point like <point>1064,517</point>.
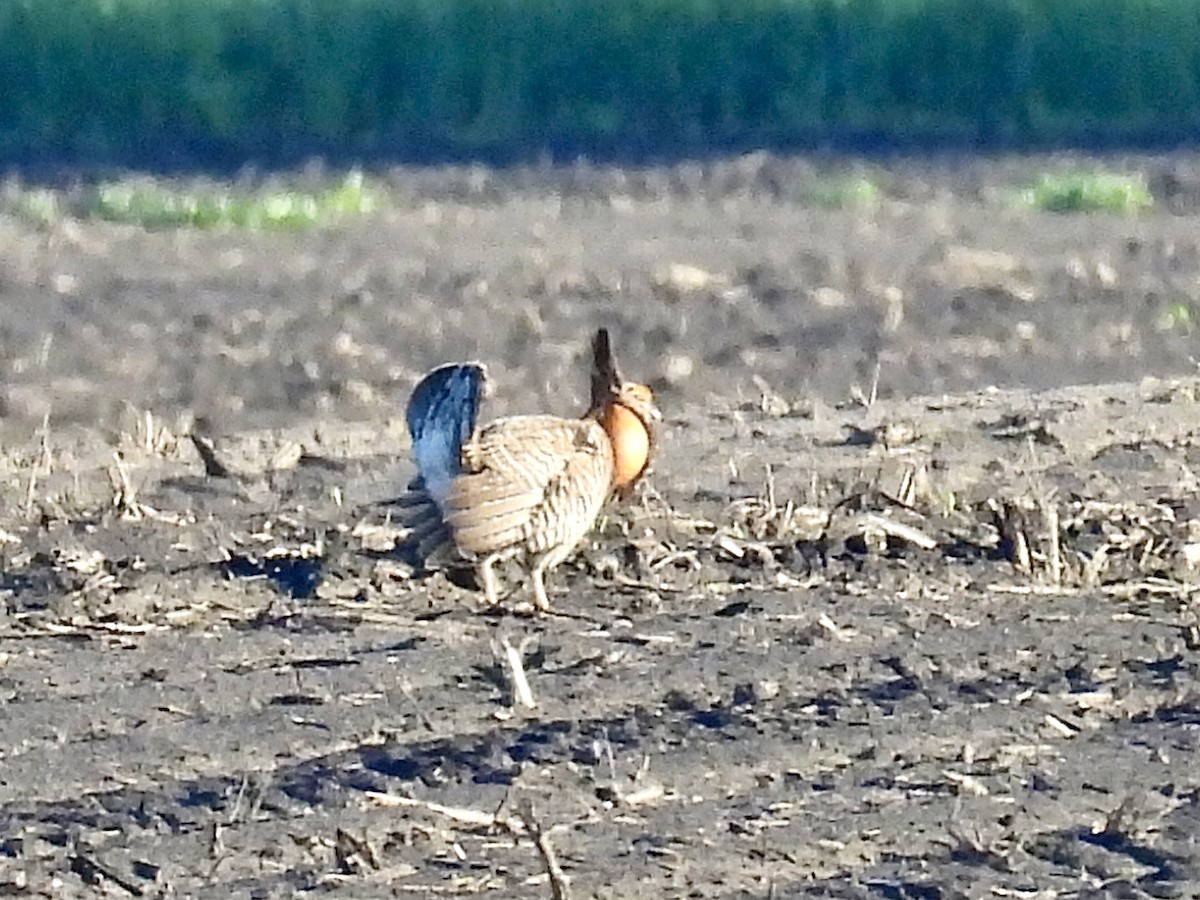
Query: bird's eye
<point>641,393</point>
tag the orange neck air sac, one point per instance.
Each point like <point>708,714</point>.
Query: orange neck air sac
<point>631,444</point>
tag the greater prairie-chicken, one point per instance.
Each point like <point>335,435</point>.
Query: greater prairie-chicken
<point>524,487</point>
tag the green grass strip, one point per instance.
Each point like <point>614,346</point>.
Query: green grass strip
<point>157,205</point>
<point>1089,191</point>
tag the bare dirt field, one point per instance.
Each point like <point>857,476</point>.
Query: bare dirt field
<point>906,611</point>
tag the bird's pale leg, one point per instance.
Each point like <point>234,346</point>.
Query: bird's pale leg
<point>538,577</point>
<point>543,565</point>
<point>487,574</point>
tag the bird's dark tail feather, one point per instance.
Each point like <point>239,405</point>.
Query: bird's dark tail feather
<point>441,415</point>
<point>606,377</point>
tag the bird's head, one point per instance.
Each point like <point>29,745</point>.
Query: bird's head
<point>627,413</point>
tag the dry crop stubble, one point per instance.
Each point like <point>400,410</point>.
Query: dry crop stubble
<point>828,666</point>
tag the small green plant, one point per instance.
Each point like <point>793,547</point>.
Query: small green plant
<point>40,206</point>
<point>949,502</point>
<point>840,192</point>
<point>1179,317</point>
<point>154,206</point>
<point>1089,191</point>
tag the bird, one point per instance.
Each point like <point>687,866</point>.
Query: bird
<point>525,487</point>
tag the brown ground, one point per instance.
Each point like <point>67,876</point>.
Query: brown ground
<point>937,645</point>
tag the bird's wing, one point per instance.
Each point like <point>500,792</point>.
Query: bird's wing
<point>524,479</point>
<point>441,415</point>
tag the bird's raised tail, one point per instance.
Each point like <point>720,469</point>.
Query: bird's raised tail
<point>441,417</point>
<point>606,377</point>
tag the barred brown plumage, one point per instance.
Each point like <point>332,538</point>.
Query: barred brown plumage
<point>525,486</point>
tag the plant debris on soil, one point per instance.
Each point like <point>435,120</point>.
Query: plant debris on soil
<point>873,628</point>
